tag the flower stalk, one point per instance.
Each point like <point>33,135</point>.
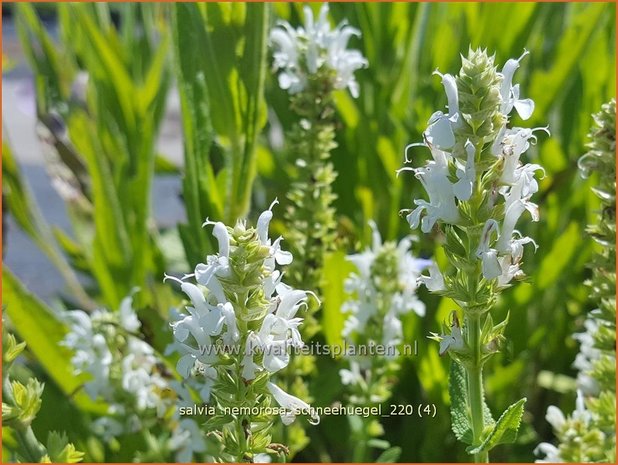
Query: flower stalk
<point>478,189</point>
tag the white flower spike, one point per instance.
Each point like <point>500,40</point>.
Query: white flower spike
<point>316,50</point>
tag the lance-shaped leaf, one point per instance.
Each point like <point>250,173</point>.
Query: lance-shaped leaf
<point>504,431</point>
<point>37,325</point>
<point>461,417</point>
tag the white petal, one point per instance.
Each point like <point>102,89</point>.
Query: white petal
<point>220,232</point>
<point>414,217</point>
<point>435,281</point>
<point>451,94</point>
<point>184,365</point>
<point>285,81</point>
<point>283,257</point>
<point>524,108</point>
<point>289,303</point>
<point>491,266</point>
<point>276,356</point>
<point>555,417</point>
<point>440,134</point>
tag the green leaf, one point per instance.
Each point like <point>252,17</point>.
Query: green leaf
<point>164,166</point>
<point>378,443</point>
<point>389,455</point>
<point>336,270</point>
<point>461,417</point>
<point>559,256</point>
<point>18,197</point>
<point>504,431</point>
<point>461,423</point>
<point>229,76</point>
<point>111,251</point>
<point>42,331</point>
<point>11,348</point>
<point>546,83</point>
<point>60,450</point>
<point>201,195</point>
<point>52,71</point>
<point>23,208</point>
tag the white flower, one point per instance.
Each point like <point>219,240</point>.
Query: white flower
<point>441,205</point>
<point>216,265</point>
<point>581,413</point>
<point>587,356</point>
<point>91,353</point>
<point>517,246</point>
<point>186,440</point>
<point>439,132</point>
<point>552,454</point>
<point>466,174</point>
<point>453,341</point>
<point>489,257</point>
<point>514,210</point>
<point>352,376</point>
<point>278,256</point>
<point>293,406</point>
<point>510,93</point>
<point>140,376</point>
<point>128,317</point>
<point>192,332</point>
<point>227,316</point>
<point>303,52</point>
<point>249,367</point>
<point>555,417</point>
<point>365,295</point>
<point>280,330</point>
<point>392,330</point>
<point>435,281</point>
<point>509,270</point>
<point>209,377</point>
<point>107,428</point>
<point>123,369</point>
<point>511,144</point>
<point>213,323</point>
<point>262,458</point>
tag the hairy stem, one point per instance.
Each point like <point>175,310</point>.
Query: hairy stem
<point>475,383</point>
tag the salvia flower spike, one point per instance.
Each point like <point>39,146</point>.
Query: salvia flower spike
<point>239,326</point>
<point>478,191</point>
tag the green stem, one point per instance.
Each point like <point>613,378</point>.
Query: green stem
<point>240,399</point>
<point>360,449</point>
<point>475,384</point>
<point>29,447</point>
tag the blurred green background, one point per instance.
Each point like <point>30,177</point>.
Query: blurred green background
<point>233,113</point>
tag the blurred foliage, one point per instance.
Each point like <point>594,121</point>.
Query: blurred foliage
<point>569,73</point>
<point>100,138</point>
<point>225,107</point>
<point>100,100</point>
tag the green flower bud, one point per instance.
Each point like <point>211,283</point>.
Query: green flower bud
<point>478,85</point>
<point>27,399</point>
<point>10,348</point>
